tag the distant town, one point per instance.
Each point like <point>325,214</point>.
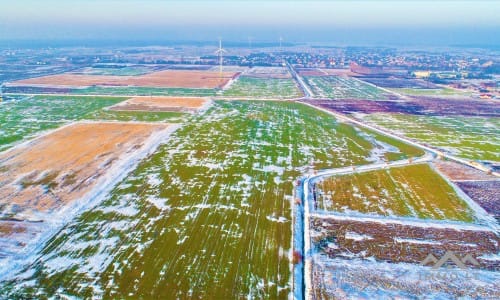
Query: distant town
<point>472,70</point>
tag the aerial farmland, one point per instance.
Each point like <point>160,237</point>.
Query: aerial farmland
<point>172,174</point>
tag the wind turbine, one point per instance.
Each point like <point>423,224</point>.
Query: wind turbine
<point>250,42</point>
<point>220,52</point>
<point>281,51</point>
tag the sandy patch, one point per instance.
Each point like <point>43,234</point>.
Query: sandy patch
<point>456,171</point>
<point>51,171</point>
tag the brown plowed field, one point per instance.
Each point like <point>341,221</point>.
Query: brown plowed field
<point>9,227</point>
<point>60,167</point>
<point>415,106</point>
<point>400,243</point>
<point>15,235</point>
<point>485,193</point>
<point>167,78</point>
<point>160,104</point>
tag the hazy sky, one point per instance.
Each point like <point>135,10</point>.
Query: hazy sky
<point>337,21</point>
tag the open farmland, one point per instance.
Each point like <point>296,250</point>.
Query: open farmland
<point>47,181</point>
<point>144,91</point>
<point>458,172</point>
<point>325,72</point>
<point>167,78</point>
<point>420,106</point>
<point>394,242</point>
<point>438,92</point>
<point>52,170</point>
<point>269,88</point>
<point>268,72</point>
<point>161,104</point>
<point>136,116</point>
<point>206,216</point>
<point>401,84</point>
<point>340,87</point>
<point>362,279</point>
<point>23,117</point>
<point>474,138</point>
<point>116,70</point>
<point>485,193</point>
<point>479,186</point>
<point>415,191</point>
<point>112,91</point>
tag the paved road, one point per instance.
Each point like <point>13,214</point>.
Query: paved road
<point>305,88</point>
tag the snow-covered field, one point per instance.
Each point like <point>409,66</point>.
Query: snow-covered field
<point>208,215</point>
<point>342,87</point>
<point>370,279</point>
<point>352,254</point>
<point>34,225</point>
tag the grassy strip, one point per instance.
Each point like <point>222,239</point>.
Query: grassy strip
<point>430,92</point>
<point>144,91</point>
<point>139,116</point>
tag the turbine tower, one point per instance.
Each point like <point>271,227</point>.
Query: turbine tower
<point>220,52</point>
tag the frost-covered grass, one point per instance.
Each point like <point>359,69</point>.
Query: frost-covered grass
<point>413,191</point>
<point>22,117</point>
<point>368,279</point>
<point>207,216</point>
<point>338,87</point>
<point>475,138</point>
<point>276,88</point>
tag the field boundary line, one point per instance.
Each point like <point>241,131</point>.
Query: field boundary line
<point>439,153</point>
<point>57,220</point>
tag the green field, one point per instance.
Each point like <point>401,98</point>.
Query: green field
<point>208,215</point>
<point>271,88</point>
<point>23,117</point>
<point>475,138</point>
<point>431,92</point>
<point>338,87</point>
<point>411,191</point>
<point>139,116</point>
<point>116,71</point>
<point>144,91</point>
